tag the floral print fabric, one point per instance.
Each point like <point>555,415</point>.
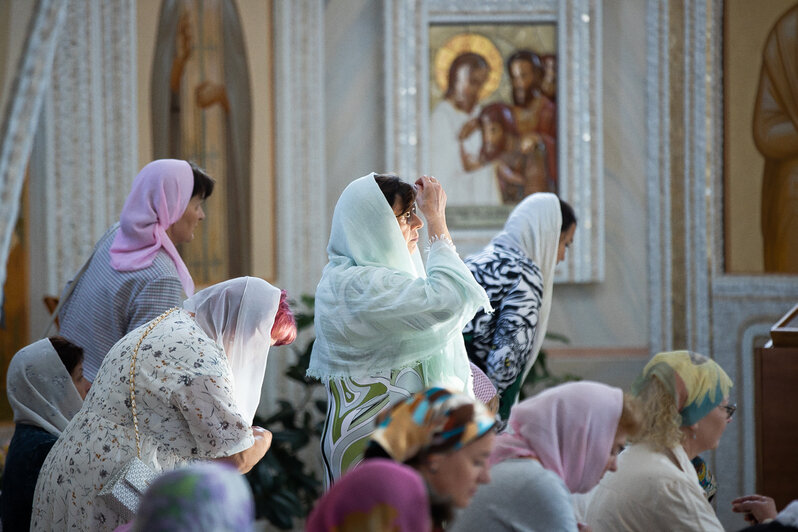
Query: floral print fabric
<point>186,411</point>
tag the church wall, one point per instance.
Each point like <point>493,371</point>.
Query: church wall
<point>256,21</point>
<point>606,322</point>
<point>14,18</point>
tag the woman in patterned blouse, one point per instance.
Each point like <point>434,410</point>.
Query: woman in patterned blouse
<point>197,378</point>
<point>517,271</point>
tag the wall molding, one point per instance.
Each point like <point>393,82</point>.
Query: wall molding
<point>694,304</point>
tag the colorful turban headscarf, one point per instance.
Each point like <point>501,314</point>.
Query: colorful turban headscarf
<point>697,383</point>
<point>432,421</point>
<point>378,495</point>
<point>205,497</point>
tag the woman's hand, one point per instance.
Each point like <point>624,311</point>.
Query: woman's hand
<point>431,201</point>
<point>245,460</point>
<point>757,508</point>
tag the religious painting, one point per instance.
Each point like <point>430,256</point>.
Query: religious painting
<point>202,112</point>
<point>761,136</point>
<point>493,114</point>
<point>482,97</point>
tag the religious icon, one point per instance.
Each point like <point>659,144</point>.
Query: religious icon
<point>493,127</point>
<point>468,68</point>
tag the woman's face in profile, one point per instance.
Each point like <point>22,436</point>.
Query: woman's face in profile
<point>458,474</point>
<point>565,242</point>
<point>409,224</point>
<point>81,384</point>
<point>711,427</point>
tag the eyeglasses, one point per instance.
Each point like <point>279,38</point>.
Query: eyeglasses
<point>730,410</point>
<point>405,216</point>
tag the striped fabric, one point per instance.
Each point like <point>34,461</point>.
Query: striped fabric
<point>107,304</point>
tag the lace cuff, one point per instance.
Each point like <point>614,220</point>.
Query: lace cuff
<point>444,241</point>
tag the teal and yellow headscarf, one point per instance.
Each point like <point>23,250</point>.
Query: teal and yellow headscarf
<point>432,421</point>
<point>698,384</point>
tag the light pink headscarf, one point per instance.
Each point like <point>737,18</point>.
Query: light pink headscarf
<point>569,428</point>
<point>159,197</point>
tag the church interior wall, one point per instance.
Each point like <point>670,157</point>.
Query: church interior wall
<point>605,322</point>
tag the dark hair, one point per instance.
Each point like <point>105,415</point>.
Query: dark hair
<point>203,183</point>
<point>501,114</point>
<point>70,354</point>
<point>471,59</point>
<point>568,216</point>
<point>530,57</point>
<point>392,186</point>
<point>284,327</point>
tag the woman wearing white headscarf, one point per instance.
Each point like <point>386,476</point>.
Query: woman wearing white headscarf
<point>197,378</point>
<point>45,388</point>
<point>386,327</point>
<point>517,271</point>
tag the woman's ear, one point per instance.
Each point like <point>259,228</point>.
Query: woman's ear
<point>432,463</point>
<point>694,430</point>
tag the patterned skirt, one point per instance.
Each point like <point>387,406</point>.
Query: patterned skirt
<point>352,406</point>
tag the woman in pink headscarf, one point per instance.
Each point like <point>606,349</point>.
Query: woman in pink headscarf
<point>376,496</point>
<point>559,442</point>
<point>135,272</point>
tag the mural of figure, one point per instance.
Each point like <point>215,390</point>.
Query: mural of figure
<point>535,113</point>
<point>467,75</point>
<point>518,173</point>
<point>549,84</point>
<point>775,131</point>
<point>201,111</point>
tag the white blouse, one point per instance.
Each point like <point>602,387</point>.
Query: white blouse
<point>650,492</point>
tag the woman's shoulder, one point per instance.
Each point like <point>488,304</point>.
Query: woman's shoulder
<point>163,265</point>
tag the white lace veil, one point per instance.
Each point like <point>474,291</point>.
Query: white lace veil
<point>534,228</point>
<point>238,314</point>
<point>40,389</point>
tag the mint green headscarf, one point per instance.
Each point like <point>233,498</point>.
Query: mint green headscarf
<point>378,310</point>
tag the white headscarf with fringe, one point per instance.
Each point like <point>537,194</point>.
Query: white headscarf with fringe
<point>377,309</point>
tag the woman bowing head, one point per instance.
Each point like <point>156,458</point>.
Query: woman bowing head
<point>180,388</point>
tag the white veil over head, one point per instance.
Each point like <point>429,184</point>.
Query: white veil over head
<point>534,227</point>
<point>40,389</point>
<point>377,311</point>
<point>239,314</point>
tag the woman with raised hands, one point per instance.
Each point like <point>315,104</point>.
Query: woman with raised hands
<point>387,326</point>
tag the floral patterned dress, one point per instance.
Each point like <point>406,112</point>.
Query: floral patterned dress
<point>186,412</point>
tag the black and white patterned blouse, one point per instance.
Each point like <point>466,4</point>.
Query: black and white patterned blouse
<point>500,343</point>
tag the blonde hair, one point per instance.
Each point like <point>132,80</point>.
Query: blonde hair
<point>631,422</point>
<point>661,420</point>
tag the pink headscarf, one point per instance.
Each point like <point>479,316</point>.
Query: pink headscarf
<point>569,428</point>
<point>159,197</point>
<point>377,495</point>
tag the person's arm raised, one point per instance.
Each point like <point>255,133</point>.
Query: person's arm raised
<point>431,201</point>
